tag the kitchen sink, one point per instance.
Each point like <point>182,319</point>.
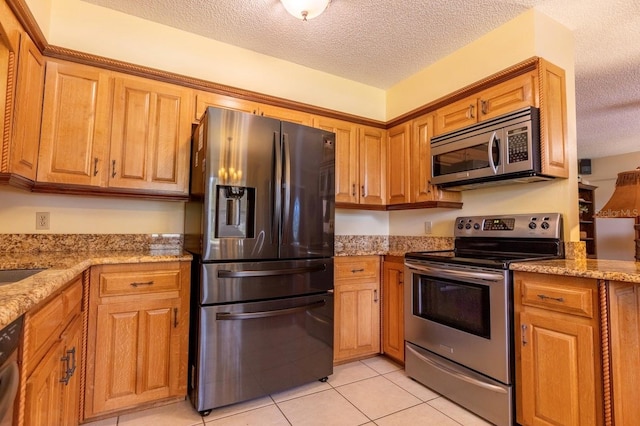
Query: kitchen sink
<point>14,275</point>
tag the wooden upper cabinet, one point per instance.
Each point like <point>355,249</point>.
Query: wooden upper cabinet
<point>553,121</point>
<point>285,114</point>
<point>346,161</point>
<point>399,168</point>
<point>372,146</point>
<point>421,188</point>
<point>27,110</point>
<point>516,93</point>
<point>208,99</point>
<point>150,136</point>
<point>519,92</point>
<point>74,145</point>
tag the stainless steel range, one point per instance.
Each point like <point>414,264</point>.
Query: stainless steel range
<point>459,309</point>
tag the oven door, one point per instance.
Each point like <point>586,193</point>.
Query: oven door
<point>471,157</point>
<point>460,313</point>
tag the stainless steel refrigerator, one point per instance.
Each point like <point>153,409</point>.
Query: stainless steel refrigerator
<point>260,225</point>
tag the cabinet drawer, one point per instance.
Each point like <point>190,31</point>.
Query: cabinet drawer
<point>40,327</point>
<point>130,282</point>
<point>72,297</point>
<point>357,267</point>
<point>568,299</point>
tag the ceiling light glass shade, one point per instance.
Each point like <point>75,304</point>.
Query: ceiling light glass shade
<point>305,9</point>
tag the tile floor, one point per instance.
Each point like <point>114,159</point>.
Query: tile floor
<point>374,391</point>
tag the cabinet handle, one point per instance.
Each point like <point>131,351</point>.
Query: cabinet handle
<point>471,111</point>
<point>353,190</point>
<point>72,352</point>
<point>95,166</point>
<point>363,195</point>
<point>400,278</point>
<point>113,168</point>
<point>524,334</point>
<point>557,299</point>
<point>483,106</point>
<point>353,271</point>
<point>135,285</point>
<point>375,296</point>
<point>175,317</point>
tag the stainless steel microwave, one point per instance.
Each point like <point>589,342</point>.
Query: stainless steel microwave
<point>502,150</point>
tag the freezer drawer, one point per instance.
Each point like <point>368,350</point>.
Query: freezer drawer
<point>237,282</point>
<point>247,350</point>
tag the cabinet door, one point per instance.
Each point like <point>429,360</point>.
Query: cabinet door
<point>421,188</point>
<point>206,99</point>
<point>28,110</point>
<point>393,310</point>
<point>150,136</point>
<point>137,352</point>
<point>399,164</point>
<point>519,92</point>
<point>558,371</point>
<point>346,161</point>
<point>624,317</point>
<point>72,349</point>
<point>372,147</point>
<point>74,142</point>
<point>43,390</point>
<point>285,114</point>
<point>456,115</point>
<point>357,319</point>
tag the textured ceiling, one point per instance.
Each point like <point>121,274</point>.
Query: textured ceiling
<point>379,43</point>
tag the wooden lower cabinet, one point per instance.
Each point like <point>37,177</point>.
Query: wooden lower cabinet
<point>357,307</point>
<point>137,336</point>
<point>624,321</point>
<point>51,362</point>
<point>558,368</point>
<point>393,308</point>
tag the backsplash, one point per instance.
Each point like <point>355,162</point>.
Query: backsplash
<point>358,245</point>
<point>32,243</point>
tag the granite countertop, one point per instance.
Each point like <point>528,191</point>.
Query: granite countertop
<point>601,269</point>
<point>60,267</point>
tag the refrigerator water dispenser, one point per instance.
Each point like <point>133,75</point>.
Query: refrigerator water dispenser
<point>235,212</point>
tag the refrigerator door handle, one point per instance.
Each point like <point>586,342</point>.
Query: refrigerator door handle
<point>266,314</point>
<point>277,184</point>
<point>286,220</point>
<point>271,272</point>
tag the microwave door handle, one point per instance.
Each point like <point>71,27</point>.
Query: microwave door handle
<point>493,140</point>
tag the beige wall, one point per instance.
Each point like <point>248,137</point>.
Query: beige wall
<point>614,237</point>
<point>79,25</point>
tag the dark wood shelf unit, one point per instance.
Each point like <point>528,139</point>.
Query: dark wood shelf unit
<point>586,206</point>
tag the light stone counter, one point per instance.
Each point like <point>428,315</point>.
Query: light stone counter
<point>17,298</point>
<point>601,269</point>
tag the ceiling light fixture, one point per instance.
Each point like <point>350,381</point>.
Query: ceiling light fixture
<point>305,9</point>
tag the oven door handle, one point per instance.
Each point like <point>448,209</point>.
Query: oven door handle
<point>454,274</point>
<point>456,374</point>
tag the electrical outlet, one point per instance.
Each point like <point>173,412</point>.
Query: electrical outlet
<point>42,220</point>
<point>427,227</point>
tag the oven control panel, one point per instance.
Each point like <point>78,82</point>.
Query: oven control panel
<point>537,225</point>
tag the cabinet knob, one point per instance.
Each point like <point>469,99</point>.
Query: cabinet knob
<point>483,107</point>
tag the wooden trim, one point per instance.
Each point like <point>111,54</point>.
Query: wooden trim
<point>54,188</point>
<point>16,181</point>
<point>28,22</point>
<point>426,205</point>
<point>71,55</point>
<point>86,275</point>
<point>405,206</point>
<point>521,68</point>
<point>606,353</point>
<point>8,114</point>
